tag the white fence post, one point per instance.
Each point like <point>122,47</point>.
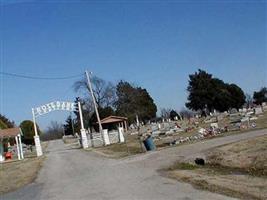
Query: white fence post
<point>37,142</point>
<point>83,131</point>
<point>106,137</point>
<point>84,139</point>
<point>121,137</point>
<point>2,159</point>
<point>38,147</point>
<point>20,147</point>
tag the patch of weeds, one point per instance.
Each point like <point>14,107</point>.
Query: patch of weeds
<point>256,171</point>
<point>217,169</point>
<point>204,185</point>
<point>183,166</point>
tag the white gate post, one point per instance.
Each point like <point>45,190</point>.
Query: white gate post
<point>2,159</point>
<point>36,137</point>
<point>20,146</point>
<point>83,131</point>
<point>106,137</point>
<point>18,149</point>
<point>121,137</point>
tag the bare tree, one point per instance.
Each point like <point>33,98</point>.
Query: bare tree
<point>105,92</point>
<point>165,113</point>
<point>249,101</point>
<point>186,114</point>
<point>54,131</point>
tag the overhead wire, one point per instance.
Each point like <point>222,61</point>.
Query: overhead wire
<point>38,77</point>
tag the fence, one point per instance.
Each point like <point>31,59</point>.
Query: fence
<point>112,137</point>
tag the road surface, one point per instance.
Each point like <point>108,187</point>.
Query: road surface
<point>70,174</point>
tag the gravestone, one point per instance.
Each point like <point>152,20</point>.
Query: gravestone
<point>154,127</point>
<point>258,110</point>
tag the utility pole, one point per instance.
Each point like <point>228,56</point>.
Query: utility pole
<point>94,101</point>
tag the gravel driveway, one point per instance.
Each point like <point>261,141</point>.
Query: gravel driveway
<point>70,174</point>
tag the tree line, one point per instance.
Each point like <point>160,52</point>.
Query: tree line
<point>205,94</point>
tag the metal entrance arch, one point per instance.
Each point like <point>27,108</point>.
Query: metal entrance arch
<point>53,106</point>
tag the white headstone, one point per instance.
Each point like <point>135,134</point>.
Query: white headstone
<point>258,110</point>
<point>214,125</point>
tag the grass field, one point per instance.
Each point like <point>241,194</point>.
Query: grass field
<point>238,170</point>
<point>16,174</point>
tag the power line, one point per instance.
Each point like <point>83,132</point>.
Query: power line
<point>40,78</point>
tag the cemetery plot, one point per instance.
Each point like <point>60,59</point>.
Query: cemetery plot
<point>171,133</point>
<point>195,129</point>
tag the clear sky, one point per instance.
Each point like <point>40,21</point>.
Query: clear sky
<point>155,44</point>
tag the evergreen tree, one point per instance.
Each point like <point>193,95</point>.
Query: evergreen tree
<point>6,123</point>
<point>174,114</point>
<point>260,96</point>
<point>132,101</point>
<point>27,128</point>
<point>201,91</point>
<point>69,126</point>
<point>207,93</point>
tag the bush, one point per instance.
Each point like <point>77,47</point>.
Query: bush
<point>27,129</point>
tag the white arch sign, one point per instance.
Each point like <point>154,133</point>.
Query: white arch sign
<point>55,105</point>
<point>49,107</point>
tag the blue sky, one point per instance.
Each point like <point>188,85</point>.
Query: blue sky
<point>154,44</point>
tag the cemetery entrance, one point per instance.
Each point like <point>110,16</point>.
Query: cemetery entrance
<point>53,106</point>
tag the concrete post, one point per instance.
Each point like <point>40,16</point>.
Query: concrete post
<point>106,137</point>
<point>83,131</point>
<point>2,159</point>
<point>20,146</point>
<point>18,150</point>
<point>121,137</point>
<point>38,147</point>
<point>84,139</point>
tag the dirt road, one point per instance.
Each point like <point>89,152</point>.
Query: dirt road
<point>77,174</point>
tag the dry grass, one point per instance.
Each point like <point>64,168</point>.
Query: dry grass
<point>239,186</point>
<point>237,170</point>
<point>132,146</point>
<point>249,156</point>
<point>16,174</point>
<point>70,140</point>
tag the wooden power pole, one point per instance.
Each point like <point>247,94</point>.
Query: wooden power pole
<point>94,101</point>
